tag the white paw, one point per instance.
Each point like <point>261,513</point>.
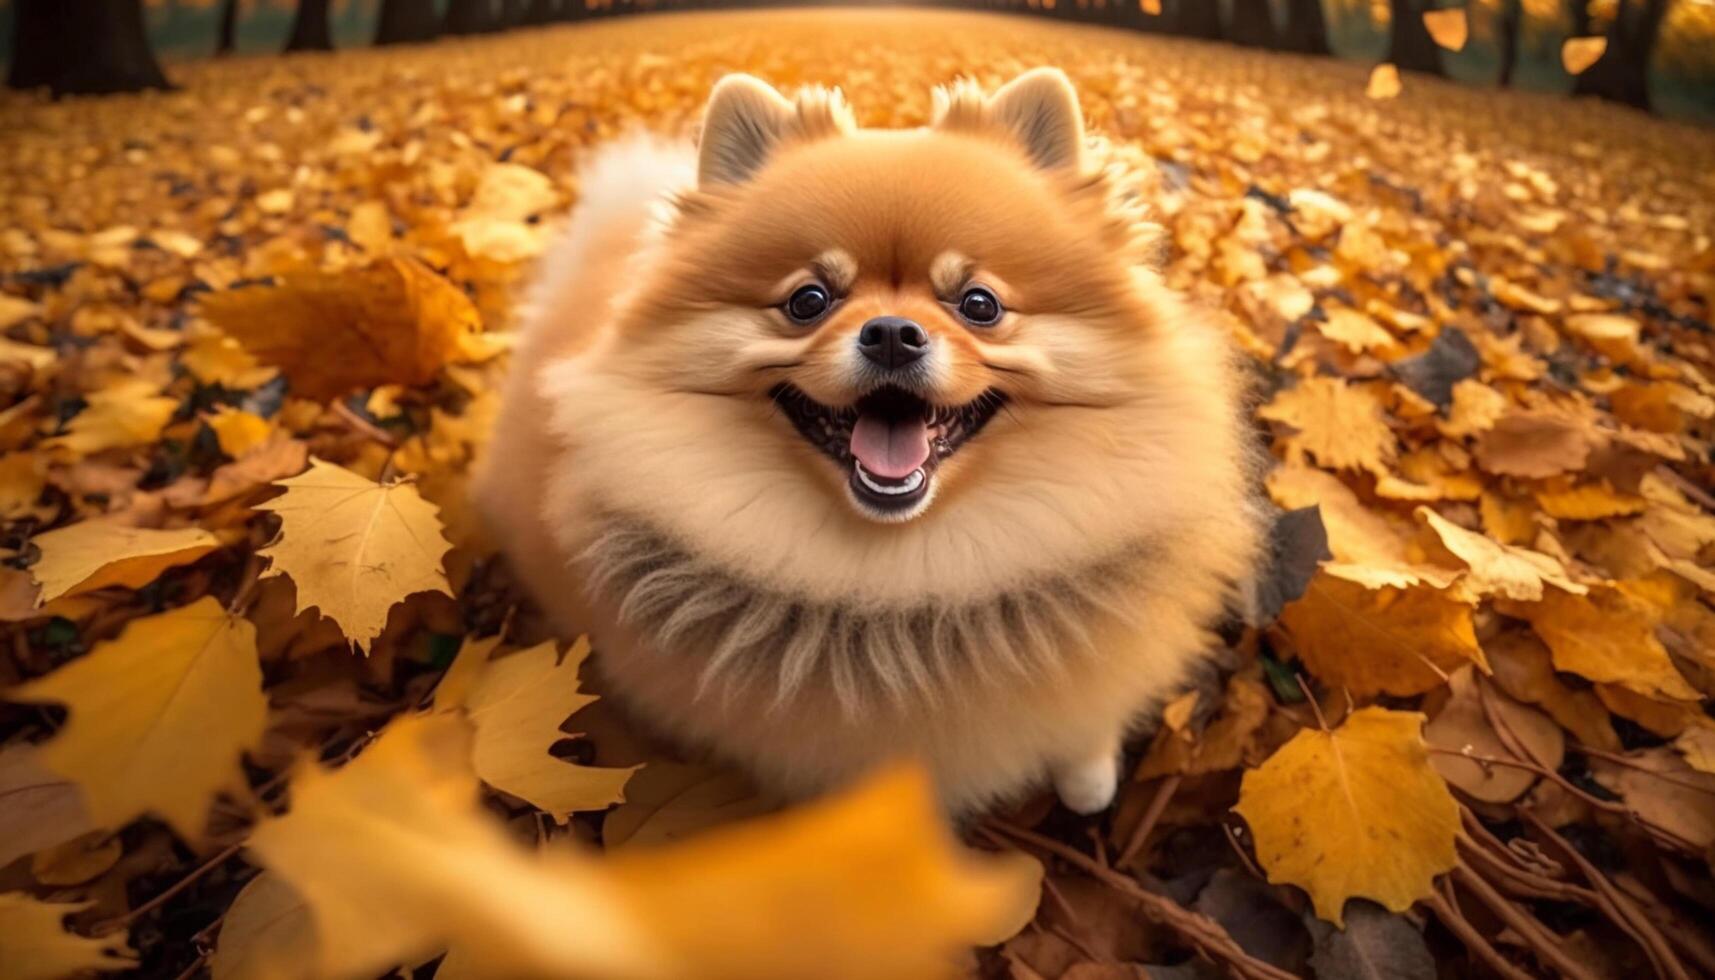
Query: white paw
<point>1088,787</point>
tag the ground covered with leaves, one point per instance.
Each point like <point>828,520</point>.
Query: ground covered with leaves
<point>271,707</point>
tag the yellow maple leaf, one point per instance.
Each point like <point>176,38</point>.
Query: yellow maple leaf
<point>1448,27</point>
<point>1500,569</point>
<point>34,944</point>
<point>158,716</point>
<point>1607,637</point>
<point>1371,641</point>
<point>516,705</point>
<point>92,555</point>
<point>1353,813</point>
<point>238,431</point>
<point>353,547</point>
<point>392,321</point>
<point>1340,425</point>
<point>131,413</point>
<point>394,859</point>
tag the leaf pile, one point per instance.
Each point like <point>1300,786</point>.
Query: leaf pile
<point>272,709</point>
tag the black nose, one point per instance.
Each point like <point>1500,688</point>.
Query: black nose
<point>892,342</point>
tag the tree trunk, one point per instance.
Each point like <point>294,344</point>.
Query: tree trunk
<point>310,28</point>
<point>1306,27</point>
<point>82,47</point>
<point>1512,21</point>
<point>1411,48</point>
<point>470,17</point>
<point>1253,24</point>
<point>1197,18</point>
<point>227,39</point>
<point>406,22</point>
<point>1578,12</point>
<point>512,13</point>
<point>541,12</point>
<point>1622,73</point>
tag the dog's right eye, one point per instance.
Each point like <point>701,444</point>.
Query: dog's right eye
<point>808,303</point>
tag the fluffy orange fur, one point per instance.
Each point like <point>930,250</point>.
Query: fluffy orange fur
<point>1057,579</point>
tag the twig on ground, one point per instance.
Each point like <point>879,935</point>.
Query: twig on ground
<point>1202,932</point>
<point>1157,804</point>
<point>1442,905</point>
<point>1621,908</point>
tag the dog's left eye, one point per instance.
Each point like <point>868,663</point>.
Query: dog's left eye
<point>980,307</point>
<point>808,303</point>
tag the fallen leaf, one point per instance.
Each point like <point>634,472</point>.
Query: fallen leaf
<point>1338,424</point>
<point>214,358</point>
<point>1475,409</point>
<point>1371,641</point>
<point>1607,637</point>
<point>238,431</point>
<point>158,716</point>
<point>392,321</point>
<point>1355,331</point>
<point>1353,813</point>
<point>92,555</point>
<point>1373,945</point>
<point>1697,745</point>
<point>1524,669</point>
<point>355,548</point>
<point>1463,726</point>
<point>34,944</point>
<point>1660,787</point>
<point>76,861</point>
<point>42,809</point>
<point>1588,502</point>
<point>1368,547</point>
<point>516,706</point>
<point>279,457</point>
<point>127,415</point>
<point>23,476</point>
<point>1500,569</point>
<point>1534,445</point>
<point>670,801</point>
<point>267,934</point>
<point>395,860</point>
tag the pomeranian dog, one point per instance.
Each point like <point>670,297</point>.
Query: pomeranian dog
<point>847,445</point>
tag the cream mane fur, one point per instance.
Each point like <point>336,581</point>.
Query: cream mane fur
<point>738,632</point>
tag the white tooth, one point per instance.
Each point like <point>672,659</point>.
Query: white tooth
<point>911,483</point>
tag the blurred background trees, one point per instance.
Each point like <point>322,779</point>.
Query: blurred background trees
<point>1659,54</point>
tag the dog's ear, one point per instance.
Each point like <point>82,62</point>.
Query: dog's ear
<point>1038,110</point>
<point>746,117</point>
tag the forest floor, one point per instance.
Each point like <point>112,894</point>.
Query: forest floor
<point>236,315</point>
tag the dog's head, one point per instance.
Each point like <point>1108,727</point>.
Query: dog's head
<point>950,328</point>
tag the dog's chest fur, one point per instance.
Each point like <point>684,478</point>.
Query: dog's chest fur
<point>733,631</point>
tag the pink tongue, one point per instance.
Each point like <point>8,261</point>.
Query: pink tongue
<point>890,450</point>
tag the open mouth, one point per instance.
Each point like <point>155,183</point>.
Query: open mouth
<point>890,441</point>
